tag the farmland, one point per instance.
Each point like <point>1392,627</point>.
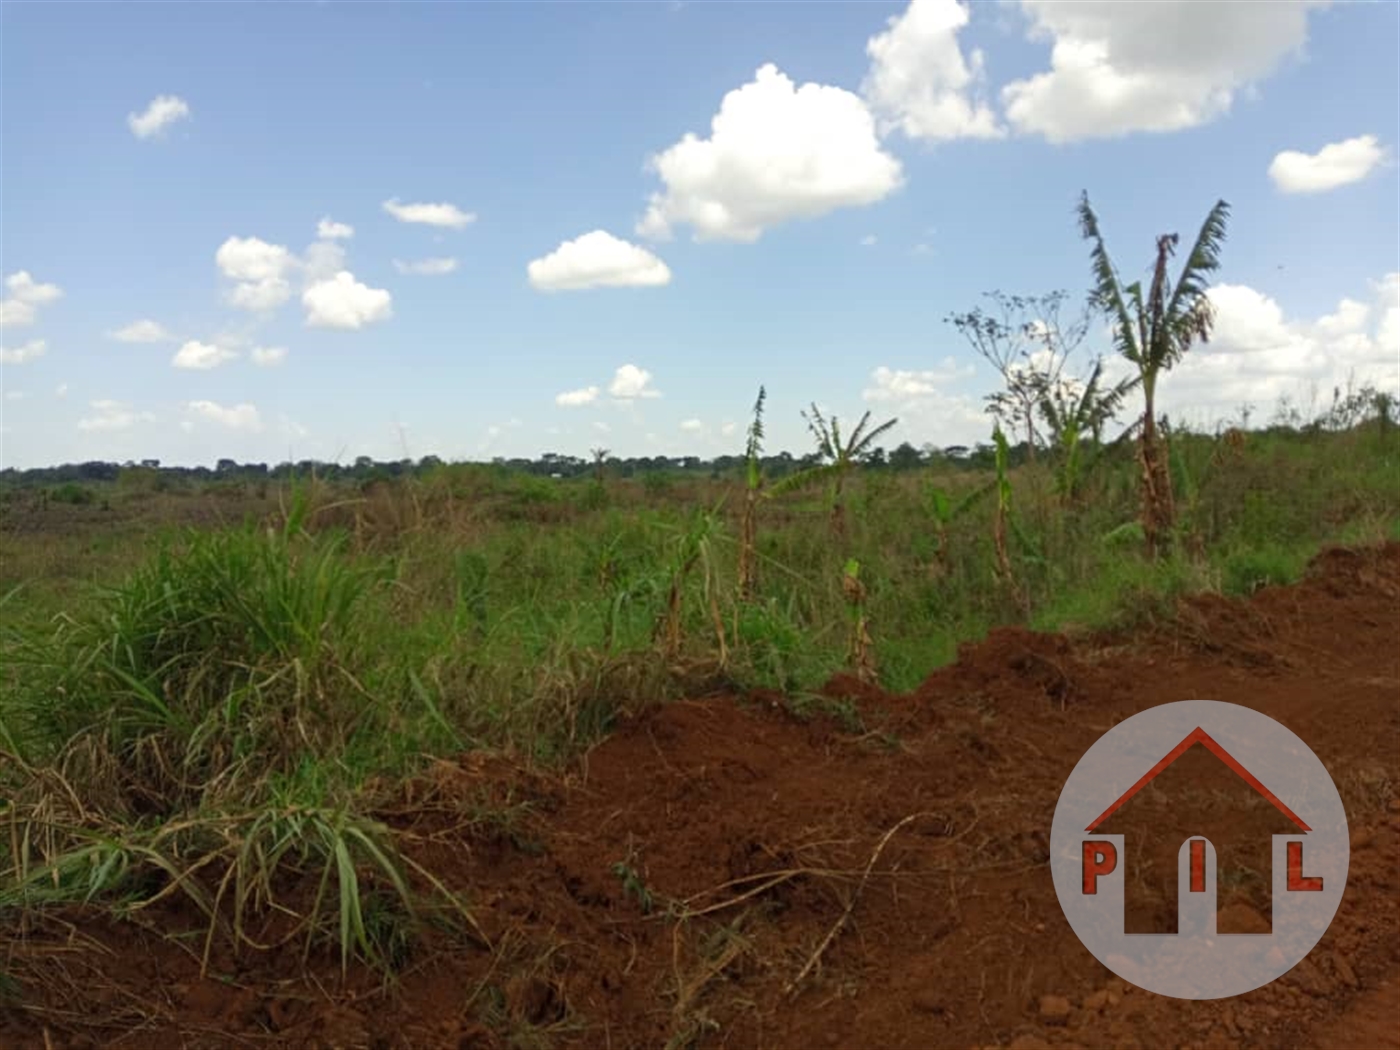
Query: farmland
<point>461,755</point>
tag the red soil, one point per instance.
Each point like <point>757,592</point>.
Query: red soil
<point>898,868</point>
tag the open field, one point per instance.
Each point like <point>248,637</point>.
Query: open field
<point>476,759</point>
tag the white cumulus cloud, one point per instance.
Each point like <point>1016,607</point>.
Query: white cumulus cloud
<point>1151,67</point>
<point>929,404</point>
<point>919,81</point>
<point>630,382</point>
<point>14,313</point>
<point>776,152</point>
<point>427,267</point>
<point>113,415</point>
<point>573,398</point>
<point>1336,164</point>
<point>236,417</point>
<point>1257,354</point>
<point>25,295</point>
<point>268,356</point>
<point>329,230</point>
<point>202,356</point>
<point>143,331</point>
<point>343,302</point>
<point>163,111</point>
<point>448,216</point>
<point>20,355</point>
<point>260,271</point>
<point>597,260</point>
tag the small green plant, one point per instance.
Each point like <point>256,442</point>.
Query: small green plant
<point>632,884</point>
<point>693,549</point>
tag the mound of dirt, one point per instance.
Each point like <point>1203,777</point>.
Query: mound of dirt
<point>729,873</point>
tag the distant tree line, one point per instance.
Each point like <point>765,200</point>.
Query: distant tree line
<point>551,464</point>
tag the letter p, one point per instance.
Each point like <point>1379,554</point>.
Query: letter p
<point>1100,858</point>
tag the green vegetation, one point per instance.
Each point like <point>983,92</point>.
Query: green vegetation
<point>211,680</point>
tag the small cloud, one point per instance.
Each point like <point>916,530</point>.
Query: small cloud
<point>235,417</point>
<point>329,230</point>
<point>729,429</point>
<point>343,302</point>
<point>891,384</point>
<point>426,267</point>
<point>601,427</point>
<point>22,355</point>
<point>61,390</point>
<point>260,270</point>
<point>27,290</point>
<point>163,111</point>
<point>445,215</point>
<point>14,313</point>
<point>922,248</point>
<point>597,260</point>
<point>692,426</point>
<point>202,356</point>
<point>868,240</point>
<point>572,398</point>
<point>269,356</point>
<point>113,415</point>
<point>1334,165</point>
<point>16,395</point>
<point>630,382</point>
<point>26,294</point>
<point>143,331</point>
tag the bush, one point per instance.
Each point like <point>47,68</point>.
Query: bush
<point>1245,571</point>
<point>72,493</point>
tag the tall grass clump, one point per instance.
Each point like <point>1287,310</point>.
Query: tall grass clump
<point>192,732</point>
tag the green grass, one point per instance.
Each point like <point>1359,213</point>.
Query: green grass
<point>198,711</point>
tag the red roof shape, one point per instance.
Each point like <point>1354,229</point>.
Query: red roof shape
<point>1200,736</point>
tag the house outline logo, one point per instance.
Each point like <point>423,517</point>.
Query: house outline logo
<point>1308,846</point>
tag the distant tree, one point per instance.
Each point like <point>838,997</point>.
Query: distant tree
<point>905,457</point>
<point>1028,341</point>
<point>600,457</point>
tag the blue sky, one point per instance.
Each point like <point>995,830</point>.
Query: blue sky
<point>713,196</point>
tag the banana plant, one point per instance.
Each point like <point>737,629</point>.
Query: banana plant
<point>945,511</point>
<point>836,460</point>
<point>694,549</point>
<point>1154,333</point>
<point>1074,411</point>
